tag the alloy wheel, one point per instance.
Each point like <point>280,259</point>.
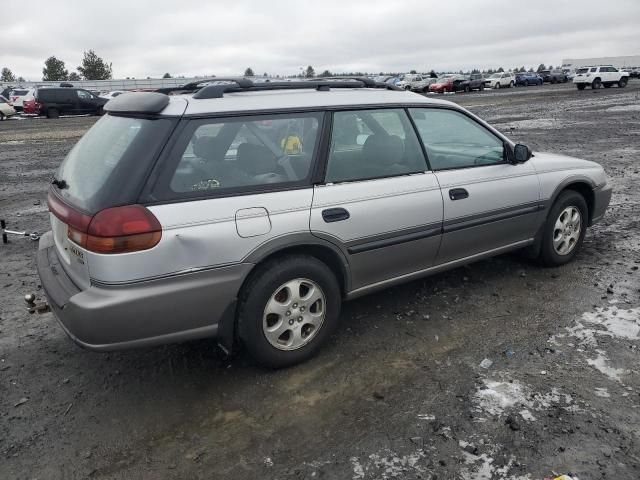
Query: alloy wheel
<point>294,314</point>
<point>567,230</point>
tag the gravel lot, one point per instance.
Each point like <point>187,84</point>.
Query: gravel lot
<point>399,392</point>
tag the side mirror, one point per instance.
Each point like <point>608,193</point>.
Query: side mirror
<point>521,153</point>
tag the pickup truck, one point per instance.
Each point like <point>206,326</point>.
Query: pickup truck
<point>601,75</point>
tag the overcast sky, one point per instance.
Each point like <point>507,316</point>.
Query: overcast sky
<point>185,37</point>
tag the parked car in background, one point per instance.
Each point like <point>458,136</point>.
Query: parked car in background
<point>17,96</point>
<point>528,78</point>
<point>447,84</point>
<point>602,75</point>
<point>634,72</point>
<point>110,95</point>
<point>423,86</point>
<point>411,80</point>
<point>500,80</point>
<point>137,205</point>
<point>6,109</point>
<point>554,76</point>
<point>57,101</point>
<point>475,81</point>
<point>6,92</point>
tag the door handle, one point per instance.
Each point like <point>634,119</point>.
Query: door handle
<point>335,215</point>
<point>458,194</point>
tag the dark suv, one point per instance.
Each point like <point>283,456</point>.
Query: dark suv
<point>53,102</point>
<point>553,76</point>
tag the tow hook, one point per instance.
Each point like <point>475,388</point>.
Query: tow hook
<point>5,239</point>
<point>33,307</point>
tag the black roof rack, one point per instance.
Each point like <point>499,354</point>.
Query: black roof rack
<point>218,86</point>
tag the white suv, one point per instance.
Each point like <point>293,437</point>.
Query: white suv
<point>606,75</point>
<point>500,80</point>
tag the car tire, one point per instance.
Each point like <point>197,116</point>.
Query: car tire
<point>623,82</point>
<point>581,86</point>
<point>511,85</point>
<point>266,335</point>
<point>53,113</point>
<point>100,111</point>
<point>467,88</point>
<point>1,117</point>
<point>481,87</point>
<point>407,87</point>
<point>564,229</point>
<point>596,84</point>
<point>497,87</point>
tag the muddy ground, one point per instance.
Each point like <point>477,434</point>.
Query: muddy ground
<point>399,392</point>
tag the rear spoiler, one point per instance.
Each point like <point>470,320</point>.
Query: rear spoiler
<point>137,102</point>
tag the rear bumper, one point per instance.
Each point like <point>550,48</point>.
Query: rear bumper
<point>601,197</point>
<point>174,309</point>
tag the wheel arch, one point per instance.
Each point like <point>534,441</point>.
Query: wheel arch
<point>303,244</point>
<point>580,184</point>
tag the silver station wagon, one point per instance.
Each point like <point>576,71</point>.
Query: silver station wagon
<point>248,211</point>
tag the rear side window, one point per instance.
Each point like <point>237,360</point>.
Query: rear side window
<point>453,140</point>
<point>110,161</point>
<point>582,70</point>
<point>370,144</point>
<point>244,154</point>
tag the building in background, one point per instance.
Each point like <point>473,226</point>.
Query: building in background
<point>618,62</point>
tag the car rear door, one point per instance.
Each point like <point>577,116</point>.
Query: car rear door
<point>378,202</point>
<point>489,203</point>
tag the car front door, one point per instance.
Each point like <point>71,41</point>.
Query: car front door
<point>86,103</point>
<point>378,202</point>
<point>489,203</point>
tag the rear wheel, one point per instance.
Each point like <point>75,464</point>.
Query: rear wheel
<point>497,85</point>
<point>467,88</point>
<point>100,111</point>
<point>53,113</point>
<point>596,84</point>
<point>564,229</point>
<point>481,87</point>
<point>288,309</point>
<point>623,82</point>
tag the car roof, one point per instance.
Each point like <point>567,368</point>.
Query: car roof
<point>273,100</point>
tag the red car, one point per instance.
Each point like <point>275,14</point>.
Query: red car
<point>444,84</point>
<point>30,106</point>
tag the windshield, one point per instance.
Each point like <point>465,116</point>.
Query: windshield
<point>496,75</point>
<point>108,160</point>
<point>582,70</point>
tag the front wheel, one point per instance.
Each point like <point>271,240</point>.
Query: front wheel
<point>467,88</point>
<point>497,87</point>
<point>564,229</point>
<point>623,82</point>
<point>511,85</point>
<point>596,84</point>
<point>1,116</point>
<point>482,87</point>
<point>288,309</point>
<point>53,113</point>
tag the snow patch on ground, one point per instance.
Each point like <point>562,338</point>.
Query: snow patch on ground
<point>497,397</point>
<point>602,392</point>
<point>624,108</point>
<point>481,467</point>
<point>387,464</point>
<point>600,363</point>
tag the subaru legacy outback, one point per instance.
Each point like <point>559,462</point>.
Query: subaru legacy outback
<point>248,212</point>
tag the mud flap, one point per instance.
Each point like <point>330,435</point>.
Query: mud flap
<point>227,328</point>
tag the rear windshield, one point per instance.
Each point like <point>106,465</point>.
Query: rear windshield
<point>19,93</point>
<point>582,70</point>
<point>110,161</point>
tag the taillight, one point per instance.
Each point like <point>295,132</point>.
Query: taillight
<point>123,229</point>
<point>114,230</point>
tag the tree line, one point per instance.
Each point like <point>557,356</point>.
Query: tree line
<point>92,67</point>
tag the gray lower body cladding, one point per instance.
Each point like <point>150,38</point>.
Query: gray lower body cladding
<point>602,197</point>
<point>178,308</point>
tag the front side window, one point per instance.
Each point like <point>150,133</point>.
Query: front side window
<point>368,144</point>
<point>453,140</point>
<point>245,153</point>
<point>84,95</point>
